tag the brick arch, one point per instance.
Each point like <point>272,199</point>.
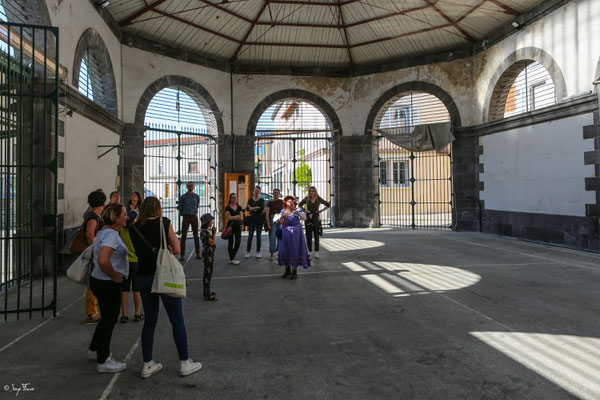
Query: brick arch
<point>416,86</point>
<point>309,97</point>
<point>510,68</point>
<point>207,104</point>
<point>90,39</point>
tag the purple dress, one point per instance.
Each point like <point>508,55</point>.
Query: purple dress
<point>292,246</point>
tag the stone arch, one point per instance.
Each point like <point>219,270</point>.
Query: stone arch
<point>511,67</point>
<point>207,104</point>
<point>418,86</point>
<point>34,12</point>
<point>90,39</point>
<point>309,97</point>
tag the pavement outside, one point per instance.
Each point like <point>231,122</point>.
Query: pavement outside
<point>384,314</point>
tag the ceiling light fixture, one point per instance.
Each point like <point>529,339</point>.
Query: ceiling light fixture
<point>516,24</point>
<point>102,4</point>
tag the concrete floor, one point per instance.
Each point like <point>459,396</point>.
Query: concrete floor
<point>384,314</point>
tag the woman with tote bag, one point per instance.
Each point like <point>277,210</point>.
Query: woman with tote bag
<point>146,237</point>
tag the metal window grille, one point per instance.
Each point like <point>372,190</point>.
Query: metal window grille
<point>178,149</point>
<point>415,188</point>
<point>28,169</point>
<point>294,150</point>
<point>532,89</point>
<point>92,83</point>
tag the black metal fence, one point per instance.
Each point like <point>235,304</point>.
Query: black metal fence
<point>174,157</point>
<point>29,72</point>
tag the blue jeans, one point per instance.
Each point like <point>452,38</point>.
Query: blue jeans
<point>273,241</point>
<point>256,223</point>
<point>174,310</point>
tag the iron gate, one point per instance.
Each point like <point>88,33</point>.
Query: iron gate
<point>292,161</point>
<point>172,158</point>
<point>28,168</point>
<point>415,188</point>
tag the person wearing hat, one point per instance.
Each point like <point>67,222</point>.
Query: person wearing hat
<point>207,235</point>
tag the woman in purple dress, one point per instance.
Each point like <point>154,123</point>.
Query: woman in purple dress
<point>293,251</point>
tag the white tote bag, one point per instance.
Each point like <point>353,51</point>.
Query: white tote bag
<point>169,277</point>
<point>81,267</point>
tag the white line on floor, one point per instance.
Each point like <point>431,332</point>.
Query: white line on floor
<point>477,312</point>
<point>112,382</point>
<point>553,260</point>
<point>40,324</point>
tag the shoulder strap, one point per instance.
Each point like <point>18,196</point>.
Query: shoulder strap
<point>146,242</point>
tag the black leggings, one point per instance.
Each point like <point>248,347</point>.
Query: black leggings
<point>312,227</point>
<point>108,294</point>
<point>234,240</point>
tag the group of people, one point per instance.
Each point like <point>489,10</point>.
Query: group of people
<point>283,216</point>
<point>124,241</point>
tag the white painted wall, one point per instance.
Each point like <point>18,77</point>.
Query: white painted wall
<point>83,171</point>
<point>73,17</point>
<point>141,69</point>
<point>539,168</point>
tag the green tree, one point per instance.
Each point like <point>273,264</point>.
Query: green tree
<point>303,172</point>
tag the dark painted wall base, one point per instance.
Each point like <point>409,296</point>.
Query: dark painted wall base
<point>577,232</point>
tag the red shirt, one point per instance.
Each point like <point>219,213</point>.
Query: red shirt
<point>275,206</point>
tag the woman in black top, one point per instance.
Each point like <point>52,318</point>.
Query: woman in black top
<point>255,205</point>
<point>146,238</point>
<point>233,214</point>
<point>313,223</point>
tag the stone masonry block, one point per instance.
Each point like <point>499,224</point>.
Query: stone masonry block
<point>591,131</point>
<point>592,183</point>
<point>591,157</point>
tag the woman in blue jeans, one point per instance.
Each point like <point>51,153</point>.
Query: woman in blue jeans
<point>145,236</point>
<point>255,205</point>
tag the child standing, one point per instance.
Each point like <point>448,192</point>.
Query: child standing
<point>207,235</point>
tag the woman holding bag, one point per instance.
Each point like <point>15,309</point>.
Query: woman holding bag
<point>146,238</point>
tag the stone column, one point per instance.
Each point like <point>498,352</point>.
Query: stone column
<point>465,172</point>
<point>132,160</point>
<point>355,192</point>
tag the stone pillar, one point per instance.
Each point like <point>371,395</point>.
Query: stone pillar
<point>466,169</point>
<point>236,156</point>
<point>355,178</point>
<point>592,240</point>
<point>132,160</point>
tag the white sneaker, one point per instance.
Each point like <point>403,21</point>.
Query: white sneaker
<point>317,254</point>
<point>150,368</point>
<point>257,254</point>
<point>110,365</point>
<point>272,257</point>
<point>189,366</point>
<point>247,255</point>
<point>235,262</point>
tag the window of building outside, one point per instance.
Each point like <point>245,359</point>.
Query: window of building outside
<point>193,166</point>
<point>531,90</point>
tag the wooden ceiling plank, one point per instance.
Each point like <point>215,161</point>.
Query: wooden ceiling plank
<point>141,12</point>
<point>253,24</point>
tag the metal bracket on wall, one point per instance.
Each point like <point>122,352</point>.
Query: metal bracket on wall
<point>111,148</point>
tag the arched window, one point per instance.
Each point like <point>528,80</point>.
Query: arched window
<point>93,73</point>
<point>293,151</point>
<point>415,189</point>
<point>525,86</point>
<point>179,147</point>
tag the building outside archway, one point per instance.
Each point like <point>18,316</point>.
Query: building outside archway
<point>180,146</point>
<point>293,150</point>
<point>415,188</point>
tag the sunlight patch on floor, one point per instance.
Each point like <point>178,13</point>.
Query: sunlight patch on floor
<point>571,362</point>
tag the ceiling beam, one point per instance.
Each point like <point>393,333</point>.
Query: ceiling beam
<point>186,22</point>
<point>345,32</point>
<point>394,14</point>
<point>143,11</point>
<point>226,10</point>
<point>507,9</point>
<point>452,22</point>
<point>316,3</point>
<point>338,46</point>
<point>243,42</point>
<point>475,7</point>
